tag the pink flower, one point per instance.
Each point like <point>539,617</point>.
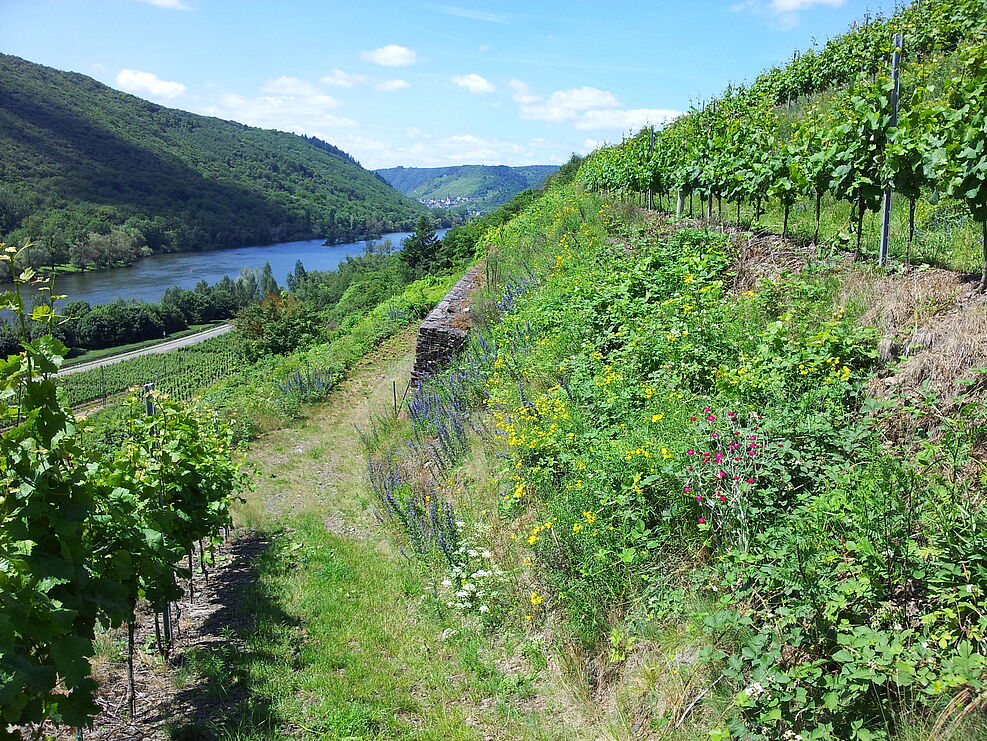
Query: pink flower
<point>705,410</point>
<point>711,417</point>
<point>702,520</point>
<point>693,419</point>
<point>699,497</point>
<point>687,490</point>
<point>750,481</point>
<point>690,451</point>
<point>717,435</point>
<point>722,498</point>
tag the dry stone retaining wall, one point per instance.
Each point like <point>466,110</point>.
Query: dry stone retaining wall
<point>443,333</point>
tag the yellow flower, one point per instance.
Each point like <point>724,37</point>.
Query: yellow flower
<point>536,599</point>
<point>689,279</point>
<point>657,417</point>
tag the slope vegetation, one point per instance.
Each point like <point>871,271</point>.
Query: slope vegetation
<point>97,176</point>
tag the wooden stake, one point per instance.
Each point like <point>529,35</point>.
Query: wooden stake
<point>882,260</point>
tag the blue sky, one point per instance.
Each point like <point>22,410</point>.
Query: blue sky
<point>427,84</point>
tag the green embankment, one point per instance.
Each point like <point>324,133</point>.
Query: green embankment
<point>683,488</point>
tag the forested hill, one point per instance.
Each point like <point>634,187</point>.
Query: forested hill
<point>466,187</point>
<point>95,176</point>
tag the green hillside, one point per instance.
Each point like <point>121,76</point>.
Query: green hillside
<point>97,177</point>
<point>466,187</point>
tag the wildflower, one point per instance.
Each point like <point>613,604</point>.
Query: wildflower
<point>536,599</point>
<point>657,417</point>
<point>702,520</point>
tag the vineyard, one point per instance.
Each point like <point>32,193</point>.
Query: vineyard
<point>180,373</point>
<point>82,542</point>
<point>825,131</point>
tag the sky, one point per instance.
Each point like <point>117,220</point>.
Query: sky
<point>428,84</point>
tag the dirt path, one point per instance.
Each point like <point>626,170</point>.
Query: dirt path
<point>161,347</point>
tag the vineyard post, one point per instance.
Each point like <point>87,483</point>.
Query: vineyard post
<point>102,380</point>
<point>394,392</point>
<point>149,411</point>
<point>896,80</point>
<point>651,148</point>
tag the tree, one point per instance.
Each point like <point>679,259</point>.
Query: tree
<point>267,286</point>
<point>418,250</point>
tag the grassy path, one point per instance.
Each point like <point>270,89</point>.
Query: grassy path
<point>342,641</point>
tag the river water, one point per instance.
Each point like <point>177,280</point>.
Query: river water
<point>148,279</point>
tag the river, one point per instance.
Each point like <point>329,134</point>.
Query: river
<point>148,279</point>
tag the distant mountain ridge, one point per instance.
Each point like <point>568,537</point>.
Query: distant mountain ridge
<point>95,176</point>
<point>466,187</point>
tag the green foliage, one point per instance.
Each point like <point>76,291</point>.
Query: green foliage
<point>179,373</point>
<point>96,177</point>
<point>79,543</point>
<point>704,461</point>
<point>418,251</point>
<point>743,147</point>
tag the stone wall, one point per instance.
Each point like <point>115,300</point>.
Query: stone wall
<point>444,331</point>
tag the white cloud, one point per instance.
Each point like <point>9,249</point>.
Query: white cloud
<point>428,151</point>
<point>391,55</point>
<point>299,114</point>
<point>522,93</point>
<point>170,4</point>
<point>474,83</point>
<point>564,105</point>
<point>338,78</point>
<point>615,118</point>
<point>477,15</point>
<point>135,81</point>
<point>389,86</point>
<point>289,86</point>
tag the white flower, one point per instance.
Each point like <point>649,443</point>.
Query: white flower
<point>447,582</point>
<point>486,554</point>
<point>484,608</point>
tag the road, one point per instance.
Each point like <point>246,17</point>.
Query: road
<point>191,339</point>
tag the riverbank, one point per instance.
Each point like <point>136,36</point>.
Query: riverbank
<point>148,279</point>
